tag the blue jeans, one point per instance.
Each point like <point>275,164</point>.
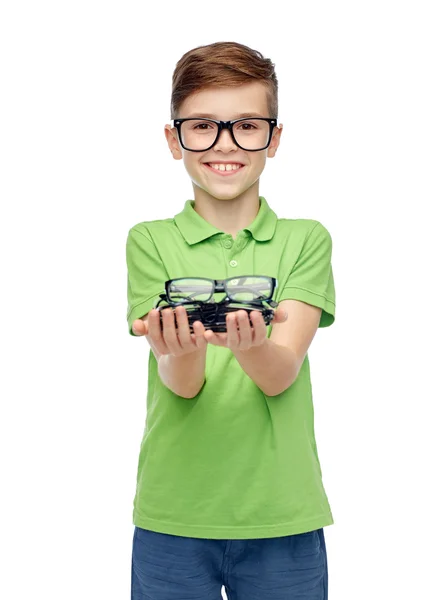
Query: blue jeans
<point>171,567</point>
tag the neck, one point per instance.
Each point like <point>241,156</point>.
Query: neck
<point>231,215</point>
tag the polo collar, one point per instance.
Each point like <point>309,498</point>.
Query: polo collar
<point>195,228</point>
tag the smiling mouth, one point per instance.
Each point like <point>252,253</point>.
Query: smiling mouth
<point>219,172</point>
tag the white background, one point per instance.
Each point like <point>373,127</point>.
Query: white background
<point>85,96</point>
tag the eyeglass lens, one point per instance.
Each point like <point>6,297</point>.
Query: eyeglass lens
<point>240,289</point>
<point>190,289</point>
<point>199,134</point>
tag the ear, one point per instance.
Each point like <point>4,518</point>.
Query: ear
<point>275,141</point>
<point>171,136</point>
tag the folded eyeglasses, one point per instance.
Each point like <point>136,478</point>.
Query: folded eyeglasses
<point>210,300</point>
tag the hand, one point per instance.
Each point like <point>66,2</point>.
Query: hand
<point>171,340</point>
<point>240,335</point>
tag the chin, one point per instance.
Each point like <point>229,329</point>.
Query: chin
<point>224,196</point>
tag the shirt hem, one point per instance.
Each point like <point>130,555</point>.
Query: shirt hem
<point>234,532</point>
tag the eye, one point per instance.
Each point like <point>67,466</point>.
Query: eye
<point>202,126</point>
<point>247,126</point>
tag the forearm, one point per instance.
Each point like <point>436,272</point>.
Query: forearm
<point>183,375</point>
<point>272,367</point>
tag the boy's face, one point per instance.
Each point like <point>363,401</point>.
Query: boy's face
<point>224,104</point>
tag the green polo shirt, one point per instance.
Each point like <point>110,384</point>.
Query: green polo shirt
<point>231,463</point>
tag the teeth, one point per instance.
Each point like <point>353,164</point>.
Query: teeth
<point>221,167</point>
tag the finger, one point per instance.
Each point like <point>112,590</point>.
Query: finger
<point>280,315</point>
<point>259,328</point>
<point>197,341</point>
<point>182,322</point>
<point>198,327</point>
<point>209,336</point>
<point>199,337</point>
<point>169,332</point>
<point>154,327</point>
<point>139,327</point>
<point>245,331</point>
<point>216,339</point>
<point>232,331</point>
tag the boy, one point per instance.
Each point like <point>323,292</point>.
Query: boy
<point>229,486</point>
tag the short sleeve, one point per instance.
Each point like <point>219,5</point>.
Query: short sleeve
<point>146,275</point>
<point>311,279</point>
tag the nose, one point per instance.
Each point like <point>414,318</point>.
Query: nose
<point>225,140</point>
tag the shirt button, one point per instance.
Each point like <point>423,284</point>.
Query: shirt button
<point>233,263</point>
<point>227,244</point>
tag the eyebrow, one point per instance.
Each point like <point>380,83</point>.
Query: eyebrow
<point>211,116</point>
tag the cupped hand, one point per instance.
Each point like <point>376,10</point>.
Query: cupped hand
<point>175,337</point>
<point>244,333</point>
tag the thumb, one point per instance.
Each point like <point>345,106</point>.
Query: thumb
<point>139,327</point>
<point>280,315</point>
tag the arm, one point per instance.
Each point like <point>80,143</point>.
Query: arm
<point>180,355</point>
<point>272,367</point>
<point>272,363</point>
<point>184,375</point>
<point>308,297</point>
<point>275,364</point>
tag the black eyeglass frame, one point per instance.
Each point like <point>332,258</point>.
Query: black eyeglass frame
<point>219,285</point>
<point>225,125</point>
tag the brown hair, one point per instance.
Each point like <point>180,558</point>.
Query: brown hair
<point>222,64</point>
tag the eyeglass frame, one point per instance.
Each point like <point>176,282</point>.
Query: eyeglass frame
<point>225,125</point>
<point>219,286</point>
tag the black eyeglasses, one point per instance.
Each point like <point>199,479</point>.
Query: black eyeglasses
<point>245,289</point>
<point>199,135</point>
